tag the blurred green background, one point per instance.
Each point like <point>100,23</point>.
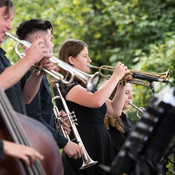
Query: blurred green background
<point>139,33</point>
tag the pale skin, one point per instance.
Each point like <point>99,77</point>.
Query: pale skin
<point>72,149</point>
<point>34,80</point>
<point>35,53</point>
<point>13,74</point>
<point>97,99</point>
<point>124,95</point>
<point>21,152</point>
<point>128,96</point>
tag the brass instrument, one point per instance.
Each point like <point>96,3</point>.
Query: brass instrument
<point>141,109</point>
<point>89,80</point>
<point>161,77</point>
<point>87,161</point>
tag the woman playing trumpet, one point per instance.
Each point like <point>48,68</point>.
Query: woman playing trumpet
<point>90,108</point>
<point>120,126</point>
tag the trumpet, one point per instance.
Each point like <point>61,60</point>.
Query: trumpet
<point>87,161</point>
<point>140,75</point>
<point>141,109</point>
<point>89,80</point>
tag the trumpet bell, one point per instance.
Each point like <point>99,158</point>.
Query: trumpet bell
<point>87,161</point>
<point>89,80</point>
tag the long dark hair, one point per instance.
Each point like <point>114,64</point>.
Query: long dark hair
<point>71,47</point>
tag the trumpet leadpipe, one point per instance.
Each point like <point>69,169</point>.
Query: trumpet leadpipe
<point>136,74</point>
<point>140,110</point>
<point>89,80</point>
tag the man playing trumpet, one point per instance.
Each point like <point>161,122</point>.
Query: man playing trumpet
<point>10,76</point>
<point>41,107</point>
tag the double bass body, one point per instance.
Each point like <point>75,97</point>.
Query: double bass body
<point>40,139</point>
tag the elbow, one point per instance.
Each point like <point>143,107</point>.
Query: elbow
<point>117,114</point>
<point>114,113</point>
<point>4,86</point>
<point>98,103</point>
<point>27,101</point>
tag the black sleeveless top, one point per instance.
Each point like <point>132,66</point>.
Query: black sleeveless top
<point>93,133</point>
<point>84,114</point>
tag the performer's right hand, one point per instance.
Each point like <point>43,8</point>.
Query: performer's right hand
<point>37,51</point>
<point>73,150</point>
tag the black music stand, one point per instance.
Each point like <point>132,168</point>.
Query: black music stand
<point>151,141</point>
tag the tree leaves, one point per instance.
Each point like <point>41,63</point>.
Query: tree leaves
<point>138,33</point>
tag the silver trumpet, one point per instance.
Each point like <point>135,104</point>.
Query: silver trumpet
<point>89,80</point>
<point>141,109</point>
<point>87,161</point>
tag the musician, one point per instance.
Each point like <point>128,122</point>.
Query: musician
<point>120,126</point>
<point>27,154</point>
<point>10,75</point>
<point>90,109</point>
<point>41,107</point>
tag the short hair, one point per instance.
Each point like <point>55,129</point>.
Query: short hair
<point>32,25</point>
<point>8,4</point>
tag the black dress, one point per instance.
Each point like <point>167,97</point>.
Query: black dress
<point>117,137</point>
<point>93,133</point>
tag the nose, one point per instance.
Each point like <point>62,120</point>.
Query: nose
<point>8,25</point>
<point>89,60</point>
<point>130,96</point>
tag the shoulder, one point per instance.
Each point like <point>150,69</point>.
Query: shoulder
<point>64,88</point>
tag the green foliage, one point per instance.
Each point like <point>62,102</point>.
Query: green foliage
<point>139,33</point>
<point>136,32</point>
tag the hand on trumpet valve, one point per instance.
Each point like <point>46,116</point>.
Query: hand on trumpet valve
<point>47,64</point>
<point>65,122</point>
<point>128,77</point>
<point>122,71</point>
<point>37,51</point>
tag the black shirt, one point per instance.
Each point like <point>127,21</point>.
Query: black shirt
<point>117,137</point>
<point>1,149</point>
<point>41,109</point>
<point>14,93</point>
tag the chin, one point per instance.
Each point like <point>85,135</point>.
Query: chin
<point>88,71</point>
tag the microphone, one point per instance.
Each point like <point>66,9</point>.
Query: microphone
<point>148,78</point>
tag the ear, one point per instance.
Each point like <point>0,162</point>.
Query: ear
<point>24,48</point>
<point>71,60</point>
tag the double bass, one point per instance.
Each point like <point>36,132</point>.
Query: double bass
<point>24,130</point>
